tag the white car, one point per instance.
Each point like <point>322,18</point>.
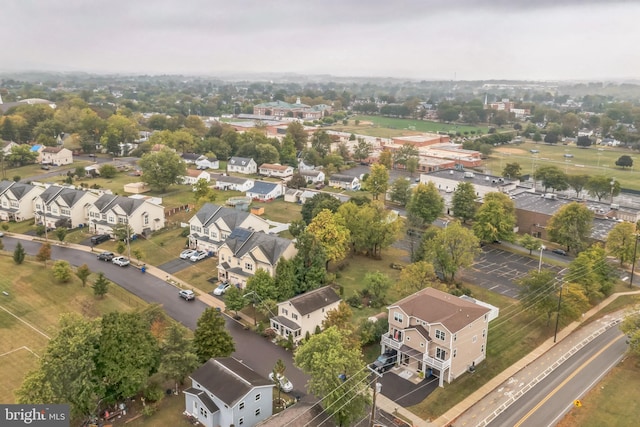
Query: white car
<point>188,295</point>
<point>285,384</point>
<point>186,254</point>
<point>197,256</point>
<point>121,261</point>
<point>221,289</point>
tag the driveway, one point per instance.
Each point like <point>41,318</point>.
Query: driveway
<point>175,265</point>
<point>404,392</point>
<point>254,350</point>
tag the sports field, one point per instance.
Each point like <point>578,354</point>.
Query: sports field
<point>387,127</point>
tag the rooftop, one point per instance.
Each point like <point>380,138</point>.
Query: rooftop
<point>313,300</point>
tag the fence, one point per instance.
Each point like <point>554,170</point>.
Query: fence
<point>172,211</point>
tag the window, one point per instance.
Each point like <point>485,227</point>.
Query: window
<point>440,334</point>
<point>258,397</point>
<point>294,316</point>
<point>257,412</point>
<point>241,405</point>
<point>441,354</point>
<point>455,351</point>
<point>111,219</point>
<point>121,220</point>
<point>397,316</point>
<point>240,421</point>
<point>484,333</point>
<point>482,349</point>
<point>248,266</point>
<point>146,220</point>
<point>284,311</point>
<point>455,337</point>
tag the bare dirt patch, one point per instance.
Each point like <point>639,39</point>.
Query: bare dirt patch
<point>509,150</point>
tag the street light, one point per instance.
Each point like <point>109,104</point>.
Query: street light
<point>542,248</point>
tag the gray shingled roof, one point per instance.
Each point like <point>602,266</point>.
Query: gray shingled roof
<point>239,161</point>
<point>107,202</point>
<point>206,400</point>
<point>342,178</point>
<point>18,189</point>
<point>69,195</point>
<point>210,213</point>
<point>232,179</point>
<point>228,379</point>
<point>263,187</point>
<point>272,246</point>
<point>314,300</point>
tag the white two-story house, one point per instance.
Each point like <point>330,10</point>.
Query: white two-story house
<point>17,200</point>
<point>437,333</point>
<point>225,392</point>
<point>56,156</point>
<point>246,251</point>
<point>109,210</point>
<point>212,224</point>
<point>276,170</point>
<point>193,176</point>
<point>243,165</point>
<point>61,206</point>
<point>302,314</point>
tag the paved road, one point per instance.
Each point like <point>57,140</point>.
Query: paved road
<point>254,350</point>
<point>547,402</point>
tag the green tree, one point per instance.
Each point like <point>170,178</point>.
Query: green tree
<point>512,170</point>
<point>263,285</point>
<point>371,226</point>
<point>80,172</point>
<point>495,219</point>
<point>529,242</point>
<point>600,186</point>
<point>296,131</point>
<point>376,286</point>
<point>577,182</point>
<point>297,181</point>
<point>21,155</point>
<point>345,402</point>
<point>210,338</point>
<point>378,180</point>
<point>108,171</point>
<point>310,263</point>
<point>404,153</point>
<point>401,191</point>
<point>624,161</point>
<point>621,242</point>
<point>44,254</point>
<point>464,202</point>
<point>386,159</point>
<point>278,372</point>
<point>62,271</point>
<point>539,292</point>
<point>450,249</point>
<point>127,354</point>
<point>571,226</point>
<point>234,299</point>
<point>591,271</point>
<point>330,232</point>
<point>288,155</point>
<point>285,279</point>
<point>177,358</point>
<point>425,204</point>
<point>415,277</point>
<point>317,203</point>
<point>202,191</point>
<point>362,150</point>
<point>101,286</point>
<point>631,328</point>
<point>138,254</point>
<point>122,231</point>
<point>61,233</point>
<point>162,168</point>
<point>83,273</point>
<point>552,177</point>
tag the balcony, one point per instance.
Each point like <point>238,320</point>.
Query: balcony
<point>390,342</point>
<point>438,364</point>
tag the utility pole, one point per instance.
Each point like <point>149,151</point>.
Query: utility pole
<point>376,389</point>
<point>633,260</point>
<point>555,334</point>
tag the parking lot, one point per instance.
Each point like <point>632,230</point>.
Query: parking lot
<point>497,270</point>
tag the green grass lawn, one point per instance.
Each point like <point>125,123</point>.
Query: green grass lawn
<point>387,127</point>
<point>38,300</point>
<point>594,160</point>
<point>280,211</point>
<point>198,274</point>
<point>614,402</point>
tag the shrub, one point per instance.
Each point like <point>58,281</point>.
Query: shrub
<point>355,300</point>
<point>185,232</point>
<point>153,392</point>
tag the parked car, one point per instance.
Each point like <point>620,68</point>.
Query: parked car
<point>45,167</point>
<point>1,234</point>
<point>560,252</point>
<point>197,256</point>
<point>106,256</point>
<point>187,295</point>
<point>385,361</point>
<point>96,240</point>
<point>285,384</point>
<point>222,288</point>
<point>121,261</point>
<point>186,254</point>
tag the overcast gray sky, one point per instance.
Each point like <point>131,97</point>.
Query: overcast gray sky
<point>424,39</point>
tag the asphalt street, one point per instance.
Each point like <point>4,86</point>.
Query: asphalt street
<point>254,350</point>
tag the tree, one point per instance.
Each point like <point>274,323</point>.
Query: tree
<point>234,299</point>
<point>404,153</point>
<point>162,168</point>
<point>415,277</point>
<point>362,150</point>
<point>285,279</point>
<point>61,233</point>
<point>386,159</point>
<point>309,263</point>
<point>122,231</point>
<point>202,191</point>
<point>624,161</point>
<point>539,292</point>
<point>263,285</point>
<point>278,372</point>
<point>317,203</point>
<point>631,328</point>
<point>127,354</point>
<point>371,226</point>
<point>529,242</point>
<point>401,191</point>
<point>297,181</point>
<point>464,202</point>
<point>341,318</point>
<point>621,242</point>
<point>376,286</point>
<point>296,131</point>
<point>495,219</point>
<point>101,286</point>
<point>584,141</point>
<point>138,254</point>
<point>512,170</point>
<point>552,177</point>
<point>330,232</point>
<point>21,155</point>
<point>18,254</point>
<point>83,273</point>
<point>577,182</point>
<point>210,338</point>
<point>571,226</point>
<point>600,186</point>
<point>591,271</point>
<point>67,371</point>
<point>177,358</point>
<point>378,180</point>
<point>44,254</point>
<point>450,249</point>
<point>425,204</point>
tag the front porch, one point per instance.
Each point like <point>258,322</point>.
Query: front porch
<point>415,361</point>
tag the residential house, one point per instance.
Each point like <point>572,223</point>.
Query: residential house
<point>190,158</point>
<point>56,156</point>
<point>292,195</point>
<point>204,162</point>
<point>137,187</point>
<point>212,224</point>
<point>6,146</point>
<point>438,334</point>
<point>345,182</point>
<point>312,176</point>
<point>243,165</point>
<point>194,175</point>
<point>276,170</point>
<point>265,191</point>
<point>303,314</point>
<point>225,392</point>
<point>141,214</point>
<point>62,206</point>
<point>246,251</point>
<point>17,200</point>
<point>226,182</point>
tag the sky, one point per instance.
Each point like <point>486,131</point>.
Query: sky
<point>418,39</point>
